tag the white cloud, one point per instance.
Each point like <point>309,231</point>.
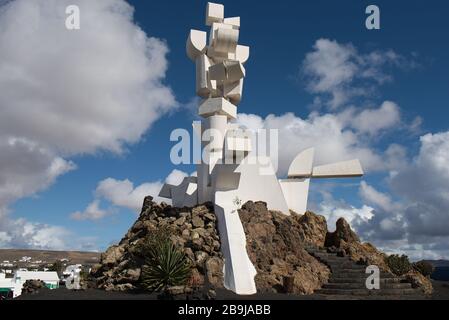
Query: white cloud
<point>92,212</point>
<point>79,91</point>
<point>67,93</point>
<point>425,184</point>
<point>176,177</point>
<point>413,218</point>
<point>332,68</point>
<point>122,193</point>
<point>333,212</point>
<point>372,196</point>
<point>373,121</point>
<point>387,221</point>
<point>21,233</point>
<point>4,238</point>
<point>27,168</point>
<point>332,136</point>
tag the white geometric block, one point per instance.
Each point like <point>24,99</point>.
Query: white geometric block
<point>229,70</point>
<point>204,183</point>
<point>345,169</point>
<point>219,57</point>
<point>219,106</point>
<point>302,165</point>
<point>185,195</point>
<point>196,44</point>
<point>215,26</point>
<point>233,91</point>
<point>214,13</point>
<point>166,191</point>
<point>296,192</point>
<point>225,40</point>
<point>234,22</point>
<point>234,71</point>
<point>191,189</point>
<point>203,85</point>
<point>237,144</point>
<point>239,272</point>
<point>242,53</point>
<point>218,72</point>
<point>216,132</point>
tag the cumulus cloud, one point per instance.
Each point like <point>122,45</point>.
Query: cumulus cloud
<point>332,68</point>
<point>333,135</point>
<point>21,233</point>
<point>374,120</point>
<point>425,184</point>
<point>123,194</point>
<point>67,93</point>
<point>92,212</point>
<point>79,91</point>
<point>335,209</point>
<point>26,168</point>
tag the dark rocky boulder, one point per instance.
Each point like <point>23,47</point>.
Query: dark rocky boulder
<point>275,245</point>
<point>33,287</point>
<point>192,229</point>
<point>343,232</point>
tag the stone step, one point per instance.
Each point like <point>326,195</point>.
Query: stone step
<point>342,266</point>
<point>334,259</point>
<point>362,286</point>
<point>366,292</point>
<point>349,270</point>
<point>360,275</point>
<point>362,280</point>
<point>316,251</point>
<point>327,254</point>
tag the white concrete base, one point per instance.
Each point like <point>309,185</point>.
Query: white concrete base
<point>296,192</point>
<point>238,270</point>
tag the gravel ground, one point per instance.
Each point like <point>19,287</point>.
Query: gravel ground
<point>441,290</point>
<point>441,293</point>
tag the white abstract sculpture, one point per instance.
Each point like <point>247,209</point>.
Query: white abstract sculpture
<point>230,173</point>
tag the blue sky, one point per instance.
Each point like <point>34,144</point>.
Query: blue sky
<point>283,76</point>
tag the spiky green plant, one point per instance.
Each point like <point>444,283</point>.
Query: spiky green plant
<point>165,265</point>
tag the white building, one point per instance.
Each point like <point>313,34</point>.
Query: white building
<point>25,259</point>
<point>15,284</point>
<point>50,278</point>
<point>8,286</point>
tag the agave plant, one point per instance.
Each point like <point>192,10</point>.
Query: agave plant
<point>165,265</point>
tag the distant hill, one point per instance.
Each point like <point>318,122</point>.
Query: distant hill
<point>75,257</point>
<point>441,272</point>
<point>439,263</point>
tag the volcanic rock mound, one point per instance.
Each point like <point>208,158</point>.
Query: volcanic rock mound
<point>278,246</point>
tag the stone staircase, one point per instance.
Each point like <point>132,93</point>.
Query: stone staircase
<point>348,279</point>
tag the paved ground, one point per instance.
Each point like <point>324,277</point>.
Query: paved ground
<point>441,290</point>
<point>441,293</point>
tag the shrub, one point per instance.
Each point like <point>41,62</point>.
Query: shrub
<point>424,267</point>
<point>399,265</point>
<point>165,264</point>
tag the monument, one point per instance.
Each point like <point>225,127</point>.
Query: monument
<point>230,172</point>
